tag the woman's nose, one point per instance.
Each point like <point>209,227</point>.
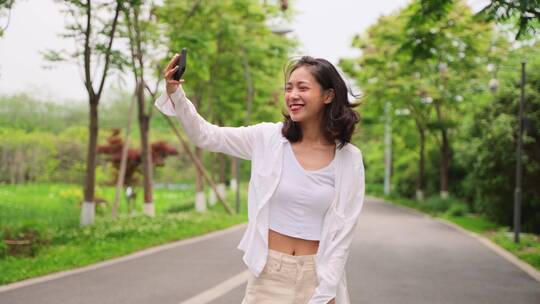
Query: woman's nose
<point>293,94</point>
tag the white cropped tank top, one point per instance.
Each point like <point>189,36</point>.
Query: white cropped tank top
<point>301,198</point>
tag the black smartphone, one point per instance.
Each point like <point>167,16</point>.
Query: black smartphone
<point>181,62</point>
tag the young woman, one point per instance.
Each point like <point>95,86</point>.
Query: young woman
<point>306,188</point>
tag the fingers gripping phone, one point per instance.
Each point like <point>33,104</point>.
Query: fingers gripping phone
<point>181,63</point>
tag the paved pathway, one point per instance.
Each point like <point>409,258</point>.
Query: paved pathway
<point>397,256</point>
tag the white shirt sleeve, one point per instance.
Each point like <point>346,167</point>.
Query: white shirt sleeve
<point>337,251</point>
<point>235,141</point>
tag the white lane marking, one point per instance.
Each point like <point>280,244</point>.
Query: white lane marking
<point>113,261</point>
<point>219,290</point>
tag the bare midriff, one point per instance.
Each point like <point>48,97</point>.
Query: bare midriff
<point>291,245</point>
<point>310,157</point>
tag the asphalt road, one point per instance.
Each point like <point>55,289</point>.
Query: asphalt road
<point>398,256</point>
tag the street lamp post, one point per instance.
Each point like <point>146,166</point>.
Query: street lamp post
<point>493,85</point>
<point>388,143</point>
<point>517,193</point>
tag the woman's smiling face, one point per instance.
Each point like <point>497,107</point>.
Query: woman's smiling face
<point>304,96</point>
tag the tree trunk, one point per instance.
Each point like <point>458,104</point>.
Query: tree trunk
<point>123,161</point>
<point>222,178</point>
<point>420,180</point>
<point>234,174</point>
<point>88,208</point>
<point>388,149</point>
<point>221,187</point>
<point>445,162</point>
<point>444,153</point>
<point>200,203</point>
<point>137,64</point>
<point>146,153</point>
<point>221,168</point>
<point>197,163</point>
<point>212,196</point>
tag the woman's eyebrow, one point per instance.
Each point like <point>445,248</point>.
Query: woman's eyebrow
<point>298,82</point>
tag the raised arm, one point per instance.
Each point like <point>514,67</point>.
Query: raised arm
<point>235,141</point>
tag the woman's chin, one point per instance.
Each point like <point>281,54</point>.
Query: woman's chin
<point>295,117</point>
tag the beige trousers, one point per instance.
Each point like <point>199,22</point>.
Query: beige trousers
<point>285,279</point>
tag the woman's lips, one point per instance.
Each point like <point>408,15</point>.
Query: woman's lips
<point>296,107</point>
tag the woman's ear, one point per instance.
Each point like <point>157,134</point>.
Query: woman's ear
<point>329,96</point>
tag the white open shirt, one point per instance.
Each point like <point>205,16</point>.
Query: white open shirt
<point>263,144</point>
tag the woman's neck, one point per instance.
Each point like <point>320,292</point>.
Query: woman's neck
<point>312,133</point>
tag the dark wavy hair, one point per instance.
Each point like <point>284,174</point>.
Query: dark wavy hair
<point>339,118</point>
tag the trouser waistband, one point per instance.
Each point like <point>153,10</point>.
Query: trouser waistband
<point>292,259</point>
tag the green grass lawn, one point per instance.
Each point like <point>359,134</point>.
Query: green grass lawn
<point>54,210</point>
<point>53,206</point>
<point>57,205</point>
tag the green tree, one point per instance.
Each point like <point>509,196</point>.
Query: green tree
<point>524,14</point>
<point>454,61</point>
<point>491,137</point>
<point>95,35</point>
<point>234,61</point>
<point>430,84</point>
<point>144,38</point>
<point>5,11</point>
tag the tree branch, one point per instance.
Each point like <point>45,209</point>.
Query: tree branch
<point>109,47</point>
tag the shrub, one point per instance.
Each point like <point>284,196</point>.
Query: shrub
<point>490,153</point>
<point>3,247</point>
<point>458,209</point>
<point>179,208</point>
<point>25,239</point>
<point>439,204</point>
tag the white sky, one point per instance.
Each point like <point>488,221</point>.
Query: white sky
<point>324,29</point>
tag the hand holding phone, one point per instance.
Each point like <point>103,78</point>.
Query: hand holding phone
<point>174,71</point>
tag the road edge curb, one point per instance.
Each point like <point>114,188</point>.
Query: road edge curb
<point>112,261</point>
